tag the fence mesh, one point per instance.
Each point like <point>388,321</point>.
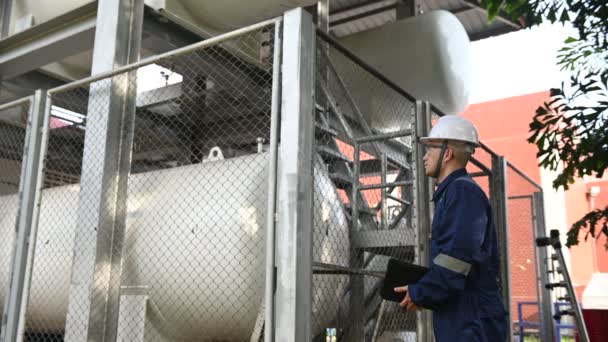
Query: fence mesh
<point>363,211</point>
<point>196,200</point>
<point>12,141</point>
<point>194,247</point>
<point>524,262</point>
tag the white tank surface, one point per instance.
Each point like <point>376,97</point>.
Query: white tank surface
<point>196,239</point>
<point>429,56</point>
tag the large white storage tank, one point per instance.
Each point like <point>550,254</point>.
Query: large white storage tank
<point>429,56</point>
<point>195,239</point>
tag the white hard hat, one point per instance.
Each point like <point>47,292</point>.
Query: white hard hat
<point>453,127</point>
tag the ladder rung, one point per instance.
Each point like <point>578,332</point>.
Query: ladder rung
<point>366,211</point>
<point>324,129</point>
<point>340,180</point>
<point>330,154</point>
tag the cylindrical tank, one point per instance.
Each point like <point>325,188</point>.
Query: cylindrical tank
<point>196,239</point>
<point>429,56</point>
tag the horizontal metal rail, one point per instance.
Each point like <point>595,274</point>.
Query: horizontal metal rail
<point>397,199</point>
<point>478,174</point>
<point>177,52</point>
<point>384,185</point>
<point>22,101</point>
<point>323,268</point>
<point>386,136</point>
<point>521,173</point>
<point>480,165</point>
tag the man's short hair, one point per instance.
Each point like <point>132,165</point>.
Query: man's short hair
<point>462,151</point>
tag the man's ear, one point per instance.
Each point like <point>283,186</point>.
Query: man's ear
<point>449,154</point>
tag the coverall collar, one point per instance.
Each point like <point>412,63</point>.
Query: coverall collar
<point>449,179</point>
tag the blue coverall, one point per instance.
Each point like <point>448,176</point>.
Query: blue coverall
<point>461,286</point>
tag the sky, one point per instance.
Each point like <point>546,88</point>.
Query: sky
<point>517,63</point>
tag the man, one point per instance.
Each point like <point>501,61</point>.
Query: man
<point>461,286</point>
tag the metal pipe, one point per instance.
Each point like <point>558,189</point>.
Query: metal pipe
<point>520,197</point>
<point>480,165</point>
<point>177,52</point>
<point>355,194</point>
<point>423,211</point>
<point>386,136</point>
<point>398,200</point>
<point>383,207</point>
<point>378,320</point>
<point>478,174</point>
<point>337,269</point>
<point>334,107</point>
<point>498,199</point>
<point>272,188</point>
<point>19,102</point>
<point>27,220</point>
<point>521,173</point>
<point>384,185</point>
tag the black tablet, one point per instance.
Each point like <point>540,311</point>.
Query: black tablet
<point>399,273</point>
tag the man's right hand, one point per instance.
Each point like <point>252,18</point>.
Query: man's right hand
<point>407,302</point>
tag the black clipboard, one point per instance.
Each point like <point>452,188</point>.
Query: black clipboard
<point>399,273</point>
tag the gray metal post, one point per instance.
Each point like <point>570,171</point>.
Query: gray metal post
<point>6,8</point>
<point>27,220</point>
<point>423,211</point>
<point>272,189</point>
<point>294,230</point>
<point>498,199</point>
<point>356,259</point>
<point>94,290</point>
<point>542,276</point>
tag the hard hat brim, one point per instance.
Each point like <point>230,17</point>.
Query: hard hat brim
<point>425,139</point>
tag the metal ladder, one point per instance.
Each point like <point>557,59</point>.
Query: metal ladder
<point>575,309</point>
<point>332,124</point>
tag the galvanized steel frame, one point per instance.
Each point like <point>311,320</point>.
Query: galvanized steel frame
<point>289,303</point>
<point>96,267</point>
<point>542,271</point>
<point>271,218</point>
<point>25,230</point>
<point>294,230</point>
<point>498,199</point>
<point>423,212</point>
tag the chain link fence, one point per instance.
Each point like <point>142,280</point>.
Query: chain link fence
<point>525,285</point>
<point>192,261</point>
<point>13,117</point>
<point>194,245</point>
<point>364,153</point>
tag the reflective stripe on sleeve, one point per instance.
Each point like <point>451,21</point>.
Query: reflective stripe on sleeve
<point>452,264</point>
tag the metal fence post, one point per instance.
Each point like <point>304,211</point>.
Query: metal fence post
<point>269,315</point>
<point>498,200</point>
<point>25,230</point>
<point>94,291</point>
<point>294,231</point>
<point>546,318</point>
<point>423,212</point>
